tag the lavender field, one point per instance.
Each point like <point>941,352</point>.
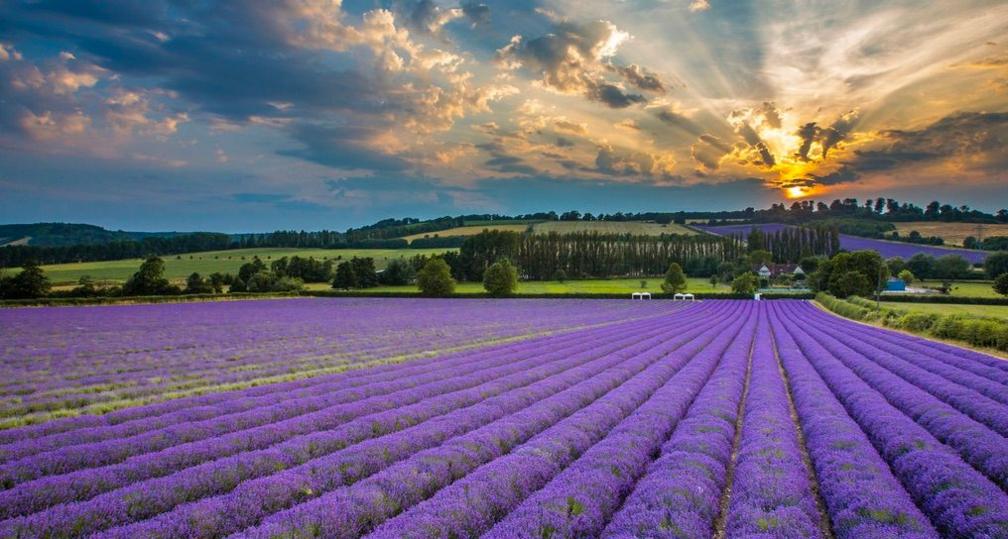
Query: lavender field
<point>503,419</point>
<point>886,248</point>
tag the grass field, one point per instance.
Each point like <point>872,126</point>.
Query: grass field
<point>969,289</point>
<point>180,266</point>
<point>952,233</point>
<point>598,286</point>
<point>993,311</point>
<point>471,230</point>
<point>611,227</point>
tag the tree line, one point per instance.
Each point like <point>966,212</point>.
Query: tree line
<point>589,254</point>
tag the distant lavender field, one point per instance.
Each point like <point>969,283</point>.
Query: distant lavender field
<point>770,419</point>
<point>888,249</point>
<point>59,360</point>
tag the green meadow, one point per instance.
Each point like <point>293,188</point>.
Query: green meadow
<point>178,267</point>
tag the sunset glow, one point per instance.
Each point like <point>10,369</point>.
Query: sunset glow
<point>335,113</point>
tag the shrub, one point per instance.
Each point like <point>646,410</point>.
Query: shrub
<point>1001,284</point>
<point>501,278</point>
<point>850,283</point>
<point>745,283</point>
<point>996,264</point>
<point>675,279</point>
<point>434,279</point>
<point>345,277</point>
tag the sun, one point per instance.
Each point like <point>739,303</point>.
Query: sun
<point>796,191</point>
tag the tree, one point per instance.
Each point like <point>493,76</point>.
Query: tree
<point>247,270</point>
<point>85,287</point>
<point>32,282</point>
<point>364,271</point>
<point>675,279</point>
<point>345,277</point>
<point>951,267</point>
<point>149,280</point>
<point>921,265</point>
<point>217,281</point>
<point>1001,284</point>
<point>196,284</point>
<point>996,264</point>
<point>745,283</point>
<point>560,275</point>
<point>851,283</point>
<point>809,264</point>
<point>397,272</point>
<point>760,257</point>
<point>501,278</point>
<point>434,278</point>
<point>906,276</point>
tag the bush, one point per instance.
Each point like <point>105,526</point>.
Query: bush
<point>996,264</point>
<point>907,276</point>
<point>345,277</point>
<point>500,279</point>
<point>1001,284</point>
<point>850,283</point>
<point>196,284</point>
<point>434,279</point>
<point>675,279</point>
<point>745,284</point>
<point>971,329</point>
<point>30,283</point>
<point>397,272</point>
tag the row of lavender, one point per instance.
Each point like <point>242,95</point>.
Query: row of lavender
<point>734,419</point>
<point>886,248</point>
<point>60,361</point>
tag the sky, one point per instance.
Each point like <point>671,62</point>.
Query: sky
<point>307,114</point>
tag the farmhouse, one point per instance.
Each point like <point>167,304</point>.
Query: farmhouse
<point>767,271</point>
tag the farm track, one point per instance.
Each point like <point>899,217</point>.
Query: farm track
<point>720,418</point>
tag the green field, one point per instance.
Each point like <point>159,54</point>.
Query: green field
<point>470,230</point>
<point>967,289</point>
<point>587,286</point>
<point>562,227</point>
<point>611,227</point>
<point>993,311</point>
<point>178,267</point>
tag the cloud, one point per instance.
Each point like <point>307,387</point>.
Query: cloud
<point>348,147</point>
<point>429,17</point>
<point>621,162</point>
<point>708,151</point>
<point>699,5</point>
<point>575,58</point>
<point>679,121</point>
<point>476,12</point>
<point>641,78</point>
